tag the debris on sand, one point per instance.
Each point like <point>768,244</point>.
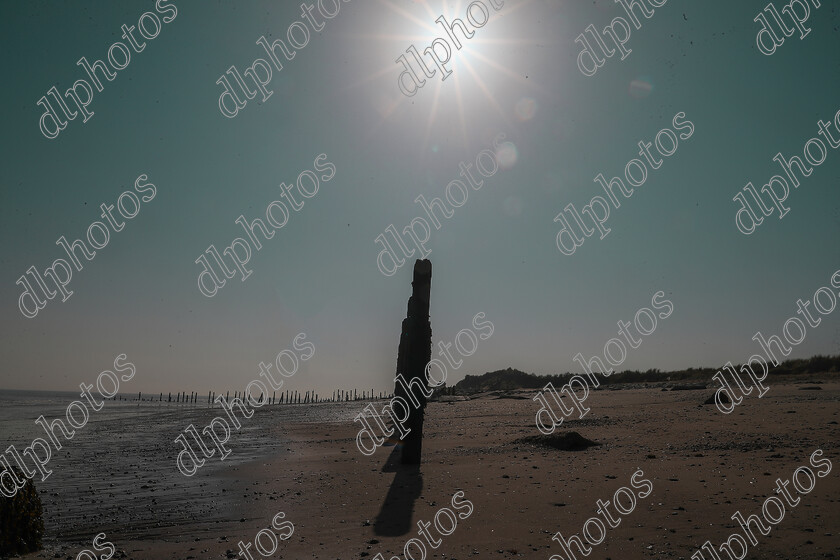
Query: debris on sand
<point>689,387</point>
<point>511,396</point>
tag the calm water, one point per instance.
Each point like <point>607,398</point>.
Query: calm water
<point>119,471</point>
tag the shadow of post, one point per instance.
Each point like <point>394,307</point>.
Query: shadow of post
<point>394,518</point>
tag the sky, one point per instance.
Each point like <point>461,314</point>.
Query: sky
<point>497,254</point>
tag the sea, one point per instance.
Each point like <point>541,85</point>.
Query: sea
<point>119,469</point>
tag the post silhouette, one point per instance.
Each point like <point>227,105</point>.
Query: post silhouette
<point>414,353</point>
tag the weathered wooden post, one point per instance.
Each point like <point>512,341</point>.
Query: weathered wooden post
<point>414,354</point>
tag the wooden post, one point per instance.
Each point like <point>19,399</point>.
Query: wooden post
<point>414,353</point>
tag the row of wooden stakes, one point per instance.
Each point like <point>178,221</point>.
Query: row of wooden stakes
<point>287,397</point>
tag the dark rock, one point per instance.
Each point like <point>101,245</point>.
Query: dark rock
<point>724,398</point>
<point>569,441</point>
<point>21,518</point>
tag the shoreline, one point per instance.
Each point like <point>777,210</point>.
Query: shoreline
<point>343,504</point>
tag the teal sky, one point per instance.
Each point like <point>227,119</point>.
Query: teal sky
<point>496,255</point>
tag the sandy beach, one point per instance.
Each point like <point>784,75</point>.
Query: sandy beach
<point>237,234</point>
<point>704,466</point>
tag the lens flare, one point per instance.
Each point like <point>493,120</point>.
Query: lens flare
<point>641,87</point>
<point>525,109</point>
<point>507,155</point>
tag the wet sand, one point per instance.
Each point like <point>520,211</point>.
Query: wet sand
<point>704,467</point>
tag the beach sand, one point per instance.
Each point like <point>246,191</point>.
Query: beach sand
<point>704,467</point>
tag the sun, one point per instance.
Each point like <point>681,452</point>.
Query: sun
<point>447,71</point>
